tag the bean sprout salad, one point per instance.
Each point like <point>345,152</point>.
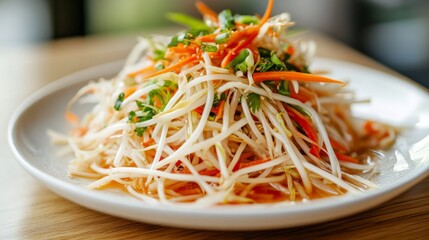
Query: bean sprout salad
<point>225,112</point>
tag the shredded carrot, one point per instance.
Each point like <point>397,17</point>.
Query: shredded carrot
<point>315,151</point>
<point>209,172</point>
<point>243,156</point>
<point>207,38</point>
<point>369,127</point>
<point>246,155</point>
<point>228,58</point>
<point>174,66</point>
<point>267,13</point>
<point>249,34</point>
<point>148,142</point>
<point>219,114</point>
<point>289,76</point>
<point>346,158</point>
<point>304,95</point>
<point>253,163</point>
<point>290,50</point>
<point>308,128</point>
<point>337,146</point>
<point>206,11</point>
<point>146,70</point>
<point>182,49</point>
<point>71,117</point>
<point>130,91</point>
<point>241,45</point>
<point>199,110</point>
<point>206,172</point>
<point>79,132</point>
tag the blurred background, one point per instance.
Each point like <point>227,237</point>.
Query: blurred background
<point>394,32</point>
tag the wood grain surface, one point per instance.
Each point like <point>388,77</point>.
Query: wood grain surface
<point>30,211</point>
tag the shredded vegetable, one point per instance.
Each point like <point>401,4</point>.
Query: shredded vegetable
<point>225,112</point>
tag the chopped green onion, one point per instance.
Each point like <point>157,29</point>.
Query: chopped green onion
<point>208,48</point>
<point>284,88</point>
<point>240,58</point>
<point>174,42</point>
<point>265,65</point>
<point>170,84</point>
<point>217,99</point>
<point>184,38</point>
<point>222,38</point>
<point>246,19</point>
<point>140,131</point>
<point>119,101</point>
<point>226,20</point>
<point>131,116</point>
<point>158,54</point>
<point>276,60</point>
<point>196,32</point>
<point>246,64</point>
<point>241,67</point>
<point>159,66</point>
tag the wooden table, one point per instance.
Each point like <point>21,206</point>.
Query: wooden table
<point>29,210</point>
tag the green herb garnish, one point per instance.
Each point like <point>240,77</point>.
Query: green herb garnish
<point>284,88</point>
<point>239,58</point>
<point>208,48</point>
<point>218,98</point>
<point>119,101</point>
<point>158,54</point>
<point>246,19</point>
<point>254,101</point>
<point>226,19</point>
<point>222,38</point>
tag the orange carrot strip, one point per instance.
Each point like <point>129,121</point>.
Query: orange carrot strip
<point>206,38</point>
<point>290,50</point>
<point>181,49</point>
<point>241,45</point>
<point>228,58</point>
<point>267,13</point>
<point>174,66</point>
<point>306,125</point>
<point>149,69</point>
<point>289,76</point>
<point>243,156</point>
<point>303,95</point>
<point>130,91</point>
<point>206,11</point>
<point>199,110</point>
<point>79,132</point>
<point>219,113</point>
<point>299,96</point>
<point>246,155</point>
<point>251,33</point>
<point>338,146</point>
<point>369,128</point>
<point>253,163</point>
<point>148,142</point>
<point>346,158</point>
<point>71,117</point>
<point>209,172</point>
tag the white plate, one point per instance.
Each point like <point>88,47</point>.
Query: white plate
<point>393,100</point>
